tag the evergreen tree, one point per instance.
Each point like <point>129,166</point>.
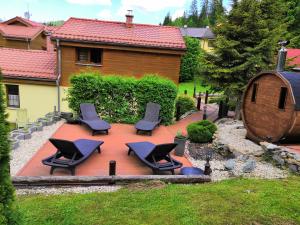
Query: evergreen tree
<point>204,14</point>
<point>246,44</point>
<point>6,188</point>
<point>193,15</point>
<point>216,11</point>
<point>167,20</point>
<point>293,22</point>
<point>190,61</point>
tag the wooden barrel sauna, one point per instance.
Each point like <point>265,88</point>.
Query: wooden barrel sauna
<point>271,105</point>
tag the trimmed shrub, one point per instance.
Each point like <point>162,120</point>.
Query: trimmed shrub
<point>201,131</point>
<point>186,103</point>
<point>122,99</point>
<point>6,188</point>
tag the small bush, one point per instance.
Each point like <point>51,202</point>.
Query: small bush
<point>123,99</point>
<point>201,131</point>
<point>186,103</point>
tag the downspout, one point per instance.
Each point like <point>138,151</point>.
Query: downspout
<point>58,73</point>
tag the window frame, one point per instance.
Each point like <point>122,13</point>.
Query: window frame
<point>7,96</point>
<point>88,62</point>
<point>280,98</point>
<point>254,93</point>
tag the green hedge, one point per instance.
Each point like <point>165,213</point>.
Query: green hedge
<point>186,103</point>
<point>6,188</point>
<point>122,99</point>
<point>201,131</point>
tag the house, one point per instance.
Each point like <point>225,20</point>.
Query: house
<point>293,55</point>
<point>24,34</point>
<point>123,48</point>
<point>30,81</point>
<point>205,35</point>
<point>37,80</point>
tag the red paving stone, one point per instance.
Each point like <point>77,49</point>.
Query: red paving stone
<point>114,148</point>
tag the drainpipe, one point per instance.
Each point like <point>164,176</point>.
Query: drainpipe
<point>58,49</point>
<point>28,44</point>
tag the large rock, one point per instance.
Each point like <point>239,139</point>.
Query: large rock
<point>229,164</point>
<point>278,160</point>
<point>294,168</point>
<point>268,147</point>
<point>297,157</point>
<point>249,166</point>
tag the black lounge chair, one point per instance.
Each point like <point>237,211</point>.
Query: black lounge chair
<point>157,157</point>
<point>150,120</point>
<point>70,154</point>
<point>90,117</point>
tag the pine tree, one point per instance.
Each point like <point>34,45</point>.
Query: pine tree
<point>204,14</point>
<point>216,11</point>
<point>246,44</point>
<point>193,14</point>
<point>293,22</point>
<point>167,20</point>
<point>6,188</point>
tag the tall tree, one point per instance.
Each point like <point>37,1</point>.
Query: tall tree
<point>245,45</point>
<point>216,11</point>
<point>167,20</point>
<point>293,22</point>
<point>6,188</point>
<point>204,14</point>
<point>193,14</point>
<point>190,61</point>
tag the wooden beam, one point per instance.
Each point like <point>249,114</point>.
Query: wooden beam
<point>28,181</point>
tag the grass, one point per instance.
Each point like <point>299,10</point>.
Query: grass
<point>238,201</point>
<point>189,86</point>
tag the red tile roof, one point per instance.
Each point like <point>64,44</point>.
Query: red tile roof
<point>116,33</point>
<point>29,31</point>
<point>28,64</point>
<point>294,54</point>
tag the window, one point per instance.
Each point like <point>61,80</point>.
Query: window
<point>211,43</point>
<point>282,98</point>
<point>13,98</point>
<point>254,92</point>
<point>89,55</point>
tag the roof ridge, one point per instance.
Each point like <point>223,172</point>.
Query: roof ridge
<point>119,22</point>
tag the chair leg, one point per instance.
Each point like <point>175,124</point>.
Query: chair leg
<point>106,132</point>
<point>72,171</point>
<point>129,151</point>
<point>173,172</point>
<point>137,131</point>
<point>150,133</point>
<point>155,172</point>
<point>51,170</point>
<point>93,133</point>
<point>99,150</point>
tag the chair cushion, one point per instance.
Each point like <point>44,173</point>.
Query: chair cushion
<point>86,147</point>
<point>97,124</point>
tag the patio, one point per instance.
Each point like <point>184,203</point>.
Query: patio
<point>114,148</point>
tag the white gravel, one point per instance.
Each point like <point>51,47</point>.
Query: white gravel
<point>27,148</point>
<point>66,190</point>
<point>262,170</point>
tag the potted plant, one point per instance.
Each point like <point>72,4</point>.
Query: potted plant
<point>180,140</point>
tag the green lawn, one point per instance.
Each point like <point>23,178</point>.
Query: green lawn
<point>238,201</point>
<point>189,86</point>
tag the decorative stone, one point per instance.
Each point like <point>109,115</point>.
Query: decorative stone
<point>229,164</point>
<point>293,161</point>
<point>297,157</point>
<point>278,160</point>
<point>293,168</point>
<point>243,158</point>
<point>283,155</point>
<point>249,166</point>
<point>290,155</point>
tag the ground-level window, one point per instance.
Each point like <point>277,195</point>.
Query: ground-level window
<point>254,92</point>
<point>282,98</point>
<point>89,55</point>
<point>13,97</point>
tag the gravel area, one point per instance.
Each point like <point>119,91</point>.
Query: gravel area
<point>262,170</point>
<point>65,190</point>
<point>27,148</point>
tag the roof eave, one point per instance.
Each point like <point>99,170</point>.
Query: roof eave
<point>117,44</point>
<point>18,77</point>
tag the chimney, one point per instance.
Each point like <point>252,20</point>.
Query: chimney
<point>129,18</point>
<point>282,56</point>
